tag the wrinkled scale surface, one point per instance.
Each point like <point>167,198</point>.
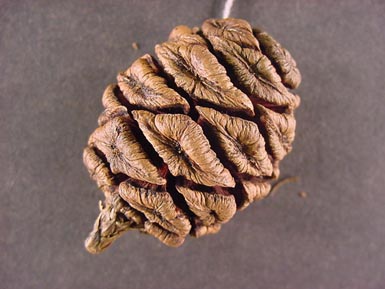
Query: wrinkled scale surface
<point>190,138</point>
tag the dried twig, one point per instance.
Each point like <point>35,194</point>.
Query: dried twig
<point>282,182</point>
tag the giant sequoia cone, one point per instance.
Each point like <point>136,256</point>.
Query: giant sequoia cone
<point>185,142</point>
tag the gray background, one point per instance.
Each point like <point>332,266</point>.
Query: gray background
<point>56,58</point>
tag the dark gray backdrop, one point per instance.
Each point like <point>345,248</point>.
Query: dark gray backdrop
<point>56,58</point>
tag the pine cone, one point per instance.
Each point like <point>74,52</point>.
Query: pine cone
<point>185,142</point>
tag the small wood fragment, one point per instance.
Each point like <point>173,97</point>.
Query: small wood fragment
<point>135,45</point>
<point>302,195</point>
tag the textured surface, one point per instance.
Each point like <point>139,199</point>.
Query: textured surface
<point>56,59</point>
<point>196,136</point>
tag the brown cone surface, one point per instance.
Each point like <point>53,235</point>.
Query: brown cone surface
<point>186,141</point>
